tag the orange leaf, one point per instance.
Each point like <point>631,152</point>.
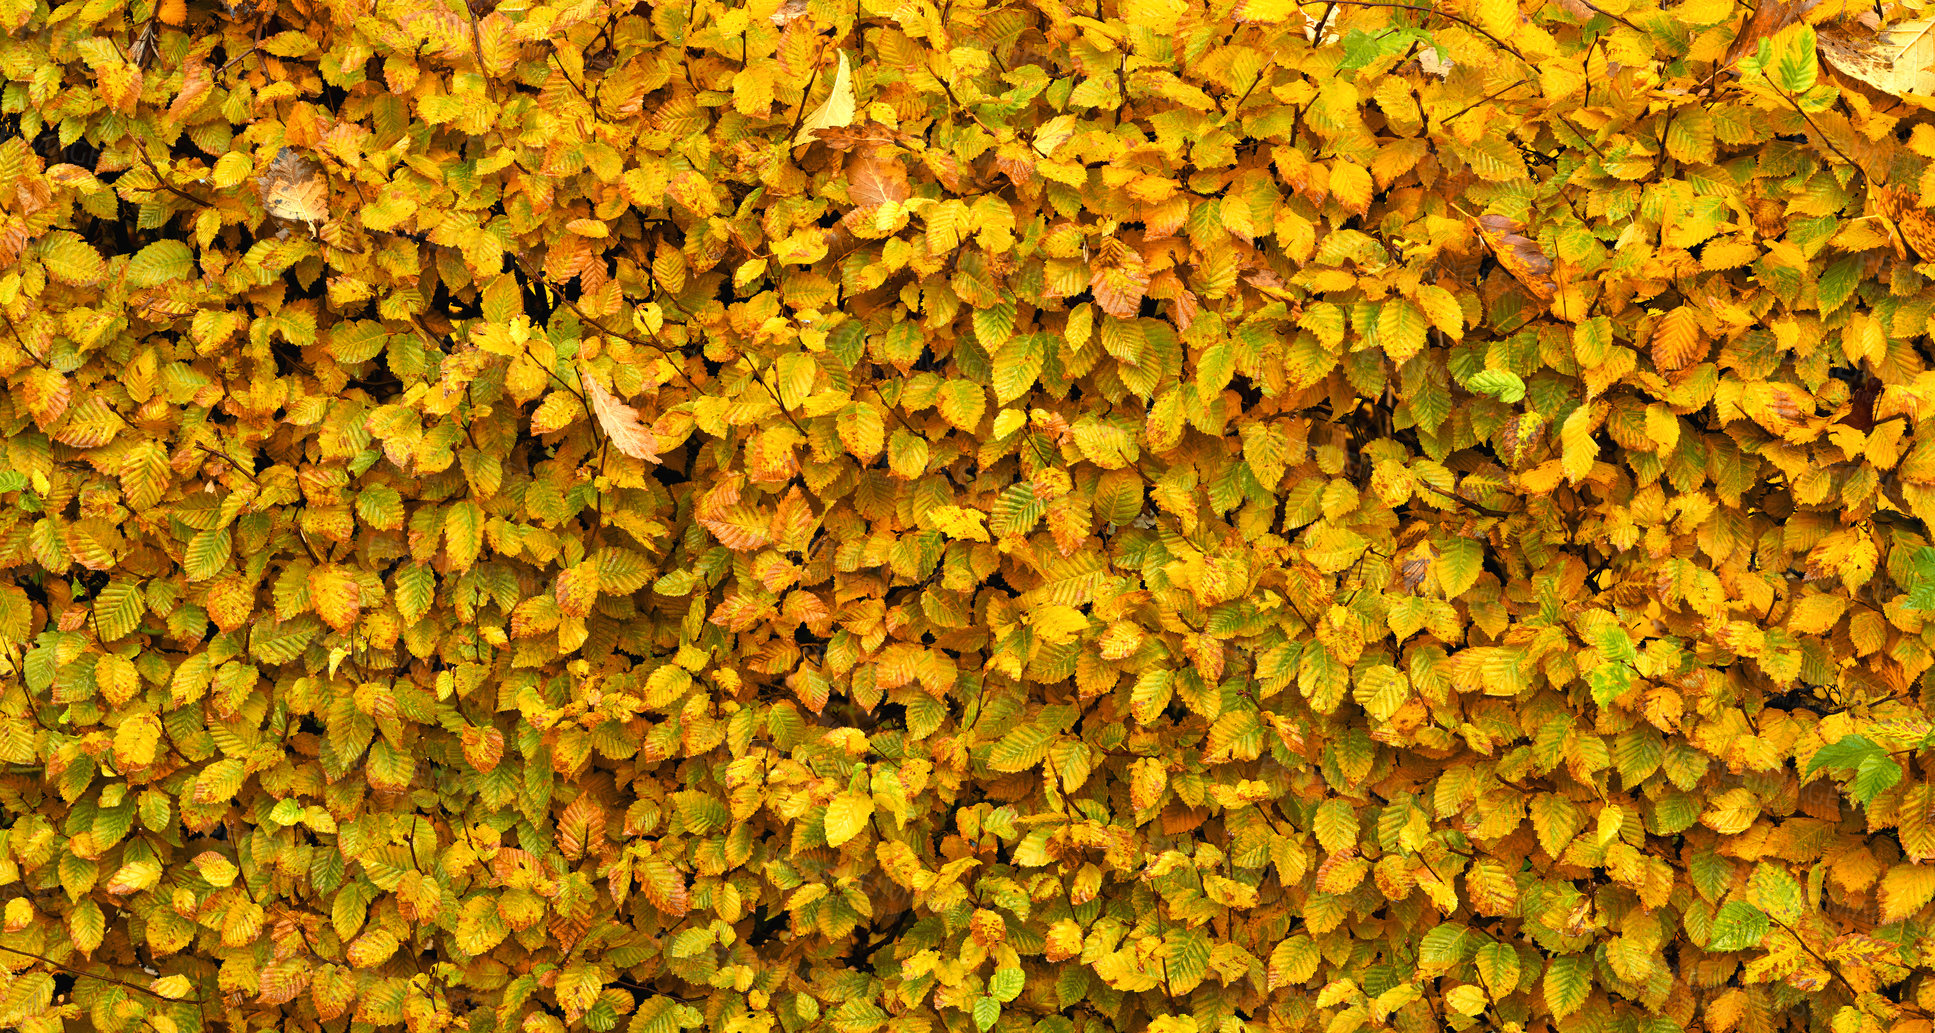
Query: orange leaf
<point>621,422</point>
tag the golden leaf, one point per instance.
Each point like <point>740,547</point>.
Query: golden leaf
<point>623,427</point>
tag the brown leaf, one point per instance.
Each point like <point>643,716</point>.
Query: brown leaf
<point>622,425</point>
<point>1770,17</point>
<point>788,13</point>
<point>293,189</point>
<point>874,178</point>
<point>1519,254</point>
<point>860,136</point>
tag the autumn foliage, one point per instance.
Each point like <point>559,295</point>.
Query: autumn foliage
<point>913,517</point>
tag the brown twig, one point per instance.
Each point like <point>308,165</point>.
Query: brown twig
<point>89,975</point>
<point>1467,503</point>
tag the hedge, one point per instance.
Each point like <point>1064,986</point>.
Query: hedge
<point>1175,516</point>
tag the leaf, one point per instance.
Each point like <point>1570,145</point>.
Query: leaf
<point>1467,999</point>
<point>174,987</point>
<point>1738,925</point>
<point>963,404</point>
<point>1520,255</point>
<point>846,817</point>
<point>1844,753</point>
<point>1677,341</point>
<point>835,111</point>
<point>336,595</point>
<point>876,177</point>
<point>1578,451</point>
<point>1794,68</point>
<point>1006,984</point>
<point>621,423</point>
<point>1503,385</point>
<point>293,189</point>
<point>1400,329</point>
<point>1899,59</point>
<point>1022,748</point>
<point>1459,562</point>
<point>118,610</point>
<point>71,260</point>
<point>1568,984</point>
<point>160,262</point>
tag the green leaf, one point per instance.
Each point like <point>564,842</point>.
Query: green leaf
<point>1872,777</point>
<point>1447,944</point>
<point>1022,748</point>
<point>207,554</point>
<point>1568,982</point>
<point>1795,67</point>
<point>286,812</point>
<point>1838,282</point>
<point>118,609</point>
<point>160,262</point>
<point>1609,682</point>
<point>1737,926</point>
<point>1616,644</point>
<point>986,1011</point>
<point>416,589</point>
<point>1460,560</point>
<point>1501,384</point>
<point>1006,983</point>
<point>1364,48</point>
<point>1777,892</point>
<point>1846,752</point>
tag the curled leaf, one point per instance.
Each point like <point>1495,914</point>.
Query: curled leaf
<point>835,111</point>
<point>621,423</point>
<point>293,189</point>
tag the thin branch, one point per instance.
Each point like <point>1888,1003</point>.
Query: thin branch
<point>1818,131</point>
<point>89,975</point>
<point>677,366</point>
<point>1467,503</point>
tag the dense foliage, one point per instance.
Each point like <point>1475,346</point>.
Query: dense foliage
<point>937,517</point>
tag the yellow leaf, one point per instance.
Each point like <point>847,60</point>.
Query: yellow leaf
<point>1577,448</point>
<point>1441,307</point>
<point>846,817</point>
<point>1816,614</point>
<point>1905,890</point>
<point>958,522</point>
<point>1468,999</point>
<point>173,987</point>
<point>835,111</point>
<point>230,169</point>
<point>1064,941</point>
<point>372,948</point>
<point>336,596</point>
<point>1732,812</point>
<point>626,432</point>
<point>1056,624</point>
<point>1158,16</point>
